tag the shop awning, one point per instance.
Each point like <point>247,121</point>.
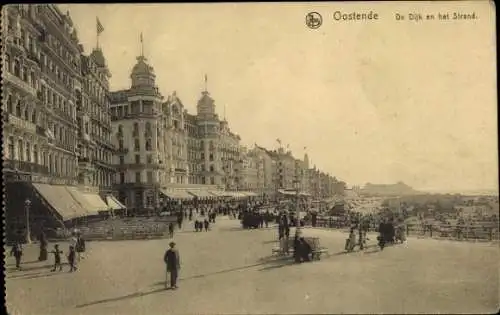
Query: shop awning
<point>96,201</point>
<point>176,194</point>
<point>249,193</point>
<point>59,198</point>
<point>201,193</point>
<point>113,203</point>
<point>286,192</point>
<point>89,202</point>
<point>217,193</point>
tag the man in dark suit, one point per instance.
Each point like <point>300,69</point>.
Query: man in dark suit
<point>173,264</point>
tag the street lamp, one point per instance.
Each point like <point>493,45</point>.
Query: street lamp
<point>27,205</point>
<point>297,212</point>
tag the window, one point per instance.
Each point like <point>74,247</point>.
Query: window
<point>202,167</point>
<point>137,177</point>
<point>150,177</point>
<point>26,115</point>
<point>203,156</point>
<point>211,157</point>
<point>135,132</point>
<point>18,109</point>
<point>33,117</point>
<point>7,63</point>
<point>28,152</point>
<point>10,107</point>
<point>120,144</point>
<point>148,128</point>
<point>137,159</point>
<point>11,148</point>
<point>120,129</point>
<point>149,159</point>
<point>211,168</point>
<point>20,150</point>
<point>203,180</point>
<point>212,181</point>
<point>122,178</point>
<point>137,145</point>
<point>25,74</point>
<point>148,145</point>
<point>17,68</point>
<point>122,160</point>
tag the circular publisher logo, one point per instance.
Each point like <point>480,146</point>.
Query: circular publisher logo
<point>314,20</point>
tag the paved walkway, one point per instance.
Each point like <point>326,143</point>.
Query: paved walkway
<point>230,271</point>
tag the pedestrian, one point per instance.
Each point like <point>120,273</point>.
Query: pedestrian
<point>80,246</point>
<point>196,225</point>
<point>43,247</point>
<point>191,214</point>
<point>179,220</point>
<point>72,259</point>
<point>57,257</point>
<point>17,252</point>
<point>207,224</point>
<point>173,265</point>
<point>171,229</point>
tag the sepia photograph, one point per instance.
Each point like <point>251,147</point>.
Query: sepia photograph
<point>250,158</point>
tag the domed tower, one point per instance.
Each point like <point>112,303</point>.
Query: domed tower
<point>209,127</point>
<point>140,132</point>
<point>142,74</point>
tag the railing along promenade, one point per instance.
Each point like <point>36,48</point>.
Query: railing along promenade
<point>471,232</point>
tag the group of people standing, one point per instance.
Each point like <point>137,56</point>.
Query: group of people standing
<point>75,252</point>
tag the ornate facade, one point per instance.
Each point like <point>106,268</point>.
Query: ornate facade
<point>140,134</point>
<point>56,156</point>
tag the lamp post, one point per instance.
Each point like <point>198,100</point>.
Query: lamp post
<point>297,212</point>
<point>27,205</point>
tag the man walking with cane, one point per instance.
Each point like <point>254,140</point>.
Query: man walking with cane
<point>172,262</point>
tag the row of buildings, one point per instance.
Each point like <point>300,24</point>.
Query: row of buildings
<point>62,126</point>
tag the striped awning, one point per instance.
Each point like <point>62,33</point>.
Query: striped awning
<point>217,193</point>
<point>176,194</point>
<point>96,201</point>
<point>59,198</point>
<point>91,202</point>
<point>113,203</point>
<point>249,193</point>
<point>201,193</point>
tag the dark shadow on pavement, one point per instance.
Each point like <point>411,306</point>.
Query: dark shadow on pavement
<point>34,268</point>
<point>23,263</point>
<point>162,283</point>
<point>39,275</point>
<point>129,296</point>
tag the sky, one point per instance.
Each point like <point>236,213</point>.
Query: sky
<point>372,101</point>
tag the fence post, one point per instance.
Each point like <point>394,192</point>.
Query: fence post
<point>430,230</point>
<point>491,234</point>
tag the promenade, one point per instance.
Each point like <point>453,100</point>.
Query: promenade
<point>229,270</point>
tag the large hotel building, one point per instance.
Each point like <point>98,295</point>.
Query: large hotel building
<point>57,149</point>
<point>165,152</point>
<point>73,150</point>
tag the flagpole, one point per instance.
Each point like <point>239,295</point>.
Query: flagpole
<point>142,46</point>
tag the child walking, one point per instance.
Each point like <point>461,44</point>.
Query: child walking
<point>72,259</point>
<point>57,257</point>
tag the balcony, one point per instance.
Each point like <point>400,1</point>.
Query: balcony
<point>21,124</point>
<point>64,146</point>
<point>122,150</point>
<point>27,167</point>
<point>20,84</point>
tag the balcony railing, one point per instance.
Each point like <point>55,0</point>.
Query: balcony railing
<point>21,123</point>
<point>122,150</point>
<point>24,86</point>
<point>27,167</point>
